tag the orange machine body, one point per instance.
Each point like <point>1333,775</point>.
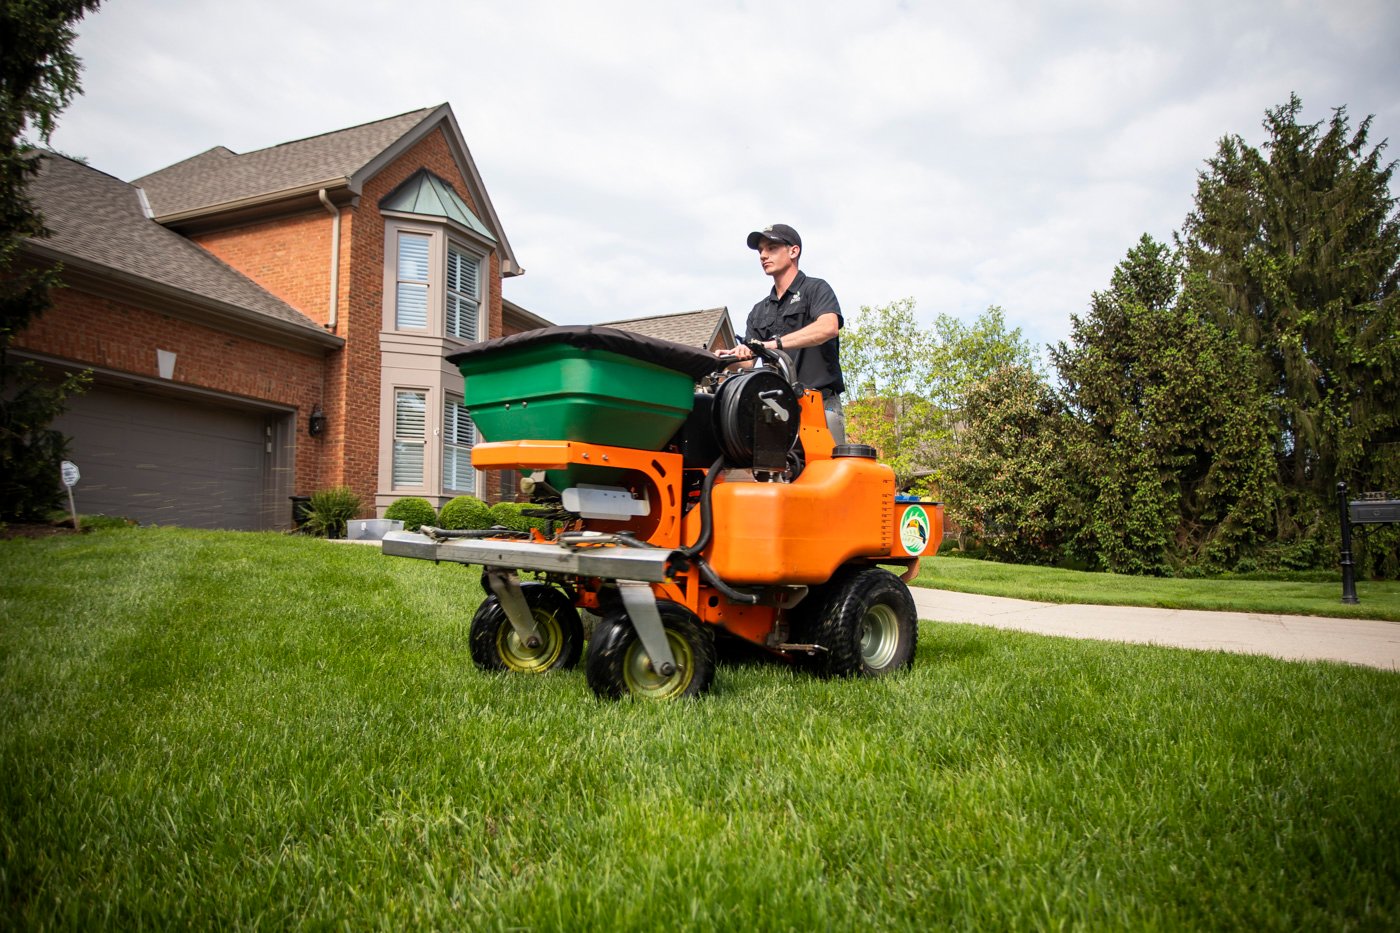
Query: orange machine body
<point>801,532</point>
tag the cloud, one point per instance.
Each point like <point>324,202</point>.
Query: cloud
<point>964,155</point>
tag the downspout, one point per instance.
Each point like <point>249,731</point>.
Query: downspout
<point>335,258</point>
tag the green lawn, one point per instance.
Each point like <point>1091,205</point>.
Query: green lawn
<point>1303,593</point>
<point>221,730</point>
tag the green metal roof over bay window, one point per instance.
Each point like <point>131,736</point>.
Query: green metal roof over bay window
<point>428,195</point>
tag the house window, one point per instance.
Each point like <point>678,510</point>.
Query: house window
<point>463,293</point>
<point>411,294</point>
<point>458,435</point>
<point>510,485</point>
<point>410,436</point>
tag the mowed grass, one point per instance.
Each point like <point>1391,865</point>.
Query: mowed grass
<point>1313,593</point>
<point>221,730</point>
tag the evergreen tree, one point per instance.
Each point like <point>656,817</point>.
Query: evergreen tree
<point>1299,247</point>
<point>1172,438</point>
<point>38,78</point>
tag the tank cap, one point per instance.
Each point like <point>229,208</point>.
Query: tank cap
<point>864,451</point>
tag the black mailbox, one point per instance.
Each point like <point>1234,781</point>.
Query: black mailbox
<point>1375,511</point>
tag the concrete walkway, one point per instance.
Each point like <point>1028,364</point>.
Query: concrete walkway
<point>1293,638</point>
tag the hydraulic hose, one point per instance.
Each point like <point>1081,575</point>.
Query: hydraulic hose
<point>730,593</point>
<point>706,512</point>
<point>446,534</point>
<point>707,528</point>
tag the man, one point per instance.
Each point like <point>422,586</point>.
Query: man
<point>801,317</point>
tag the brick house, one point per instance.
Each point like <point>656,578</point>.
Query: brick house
<point>268,324</point>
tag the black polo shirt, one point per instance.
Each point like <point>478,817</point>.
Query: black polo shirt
<point>806,300</point>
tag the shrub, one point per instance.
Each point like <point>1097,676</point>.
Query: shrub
<point>465,512</point>
<point>413,511</point>
<point>508,515</point>
<point>330,509</point>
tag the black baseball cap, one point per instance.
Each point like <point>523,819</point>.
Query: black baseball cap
<point>780,232</point>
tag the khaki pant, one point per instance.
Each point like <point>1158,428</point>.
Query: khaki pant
<point>835,418</point>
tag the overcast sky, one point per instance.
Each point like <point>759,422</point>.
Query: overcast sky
<point>963,154</point>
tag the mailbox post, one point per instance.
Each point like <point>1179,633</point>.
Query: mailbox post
<point>1369,511</point>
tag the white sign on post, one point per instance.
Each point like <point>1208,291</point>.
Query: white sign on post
<point>69,471</point>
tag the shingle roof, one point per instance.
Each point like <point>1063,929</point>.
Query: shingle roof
<point>694,328</point>
<point>94,217</point>
<point>220,176</point>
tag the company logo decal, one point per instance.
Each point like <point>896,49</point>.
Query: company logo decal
<point>914,530</point>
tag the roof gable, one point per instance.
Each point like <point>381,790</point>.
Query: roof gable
<point>223,183</point>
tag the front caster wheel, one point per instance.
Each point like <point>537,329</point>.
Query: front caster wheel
<point>868,625</point>
<point>496,647</point>
<point>617,665</point>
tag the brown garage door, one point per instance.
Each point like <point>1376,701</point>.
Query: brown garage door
<point>167,461</point>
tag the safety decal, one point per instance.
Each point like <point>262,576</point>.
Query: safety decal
<point>914,530</point>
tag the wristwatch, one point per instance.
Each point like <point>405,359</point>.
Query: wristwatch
<point>778,342</point>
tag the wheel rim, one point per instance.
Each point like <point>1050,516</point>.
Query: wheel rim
<point>518,656</point>
<point>642,681</point>
<point>879,636</point>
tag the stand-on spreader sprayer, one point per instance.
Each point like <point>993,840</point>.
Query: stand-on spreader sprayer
<point>679,501</point>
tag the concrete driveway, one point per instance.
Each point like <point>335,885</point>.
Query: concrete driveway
<point>1293,638</point>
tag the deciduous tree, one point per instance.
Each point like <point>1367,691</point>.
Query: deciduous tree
<point>1007,481</point>
<point>906,385</point>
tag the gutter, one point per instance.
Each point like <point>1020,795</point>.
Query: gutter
<point>335,258</point>
<point>87,275</point>
<point>270,197</point>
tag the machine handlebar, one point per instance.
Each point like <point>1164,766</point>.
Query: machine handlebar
<point>777,357</point>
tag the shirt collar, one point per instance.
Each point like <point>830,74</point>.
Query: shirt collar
<point>796,286</point>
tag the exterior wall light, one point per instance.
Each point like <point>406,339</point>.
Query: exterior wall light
<point>316,424</point>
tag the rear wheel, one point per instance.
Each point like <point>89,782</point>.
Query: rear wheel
<point>617,665</point>
<point>496,647</point>
<point>867,624</point>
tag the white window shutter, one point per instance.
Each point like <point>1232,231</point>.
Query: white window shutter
<point>463,293</point>
<point>411,300</point>
<point>458,435</point>
<point>410,436</point>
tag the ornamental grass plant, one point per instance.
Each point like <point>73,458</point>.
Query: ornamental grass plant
<point>330,510</point>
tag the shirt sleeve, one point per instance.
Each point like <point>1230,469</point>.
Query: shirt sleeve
<point>748,325</point>
<point>823,301</point>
